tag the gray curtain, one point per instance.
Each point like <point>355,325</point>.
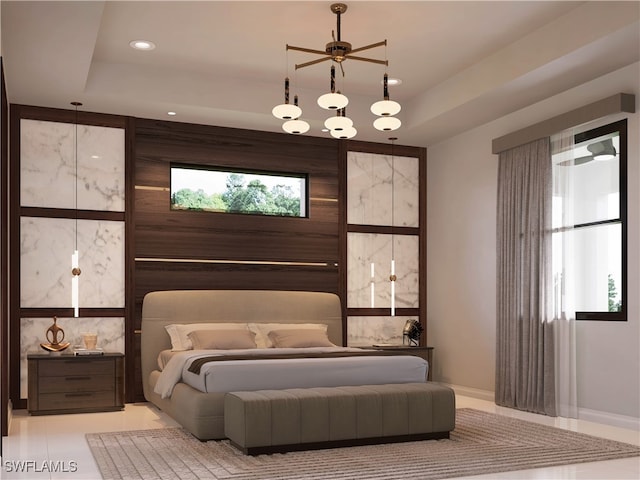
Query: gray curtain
<point>524,332</point>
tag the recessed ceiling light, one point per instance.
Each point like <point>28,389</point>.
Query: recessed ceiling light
<point>142,44</point>
<point>171,113</point>
<point>394,81</point>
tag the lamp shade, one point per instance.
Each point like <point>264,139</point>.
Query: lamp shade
<point>385,108</point>
<point>387,123</point>
<point>286,111</point>
<point>332,101</point>
<point>295,126</point>
<point>344,134</point>
<point>338,123</point>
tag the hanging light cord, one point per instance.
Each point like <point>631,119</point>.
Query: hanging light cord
<point>76,269</point>
<point>392,276</point>
<point>75,158</point>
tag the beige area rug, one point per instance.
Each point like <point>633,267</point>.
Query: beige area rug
<point>481,443</point>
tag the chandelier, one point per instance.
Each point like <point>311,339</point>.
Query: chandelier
<point>339,124</point>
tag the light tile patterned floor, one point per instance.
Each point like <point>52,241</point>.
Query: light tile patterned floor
<point>57,442</point>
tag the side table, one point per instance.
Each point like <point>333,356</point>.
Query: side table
<point>75,384</point>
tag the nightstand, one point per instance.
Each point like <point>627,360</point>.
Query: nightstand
<point>75,384</point>
<point>422,352</point>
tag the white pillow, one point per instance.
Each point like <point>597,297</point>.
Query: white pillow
<point>178,332</point>
<point>262,330</point>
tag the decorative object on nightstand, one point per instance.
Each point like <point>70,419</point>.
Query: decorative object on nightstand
<point>90,342</point>
<point>411,332</point>
<point>53,332</point>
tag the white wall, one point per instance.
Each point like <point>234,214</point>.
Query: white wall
<point>461,258</point>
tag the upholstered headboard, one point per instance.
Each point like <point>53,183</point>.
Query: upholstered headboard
<point>212,306</point>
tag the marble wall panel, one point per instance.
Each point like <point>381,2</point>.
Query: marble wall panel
<point>47,173</point>
<point>367,331</point>
<point>33,332</point>
<point>365,290</point>
<point>45,271</point>
<point>376,183</point>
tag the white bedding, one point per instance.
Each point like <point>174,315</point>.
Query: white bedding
<point>238,375</point>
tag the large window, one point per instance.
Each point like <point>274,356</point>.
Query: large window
<point>236,191</point>
<point>589,216</point>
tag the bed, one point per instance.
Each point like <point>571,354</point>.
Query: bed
<point>197,403</point>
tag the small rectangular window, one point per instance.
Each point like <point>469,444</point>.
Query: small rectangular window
<point>238,191</point>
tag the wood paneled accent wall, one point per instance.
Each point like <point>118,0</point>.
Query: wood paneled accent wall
<point>203,250</point>
<point>168,249</point>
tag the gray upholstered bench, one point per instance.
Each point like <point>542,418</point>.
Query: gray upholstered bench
<point>269,421</point>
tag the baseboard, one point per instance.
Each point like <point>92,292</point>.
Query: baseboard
<point>595,416</point>
<point>472,392</point>
<point>614,419</point>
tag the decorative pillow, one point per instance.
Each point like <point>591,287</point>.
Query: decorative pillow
<point>299,338</point>
<point>178,332</point>
<point>262,330</point>
<point>222,339</point>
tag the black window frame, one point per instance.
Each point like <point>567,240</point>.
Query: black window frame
<point>621,128</point>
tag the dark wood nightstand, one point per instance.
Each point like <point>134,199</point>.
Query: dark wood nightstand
<point>422,352</point>
<point>75,384</point>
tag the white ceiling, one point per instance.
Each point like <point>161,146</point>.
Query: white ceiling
<point>223,63</point>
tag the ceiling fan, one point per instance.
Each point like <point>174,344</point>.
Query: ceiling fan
<point>337,50</point>
<point>601,150</point>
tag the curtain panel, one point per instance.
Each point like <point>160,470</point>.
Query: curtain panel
<point>524,327</point>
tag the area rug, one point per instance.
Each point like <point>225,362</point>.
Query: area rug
<point>481,443</point>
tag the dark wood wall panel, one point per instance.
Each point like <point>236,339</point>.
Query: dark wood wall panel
<point>289,243</point>
<point>163,233</point>
<point>151,276</point>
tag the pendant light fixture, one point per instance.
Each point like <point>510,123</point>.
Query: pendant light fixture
<point>342,125</point>
<point>75,258</point>
<point>338,51</point>
<point>286,111</point>
<point>344,134</point>
<point>385,109</point>
<point>392,275</point>
<point>333,100</point>
<point>296,125</point>
<point>340,122</point>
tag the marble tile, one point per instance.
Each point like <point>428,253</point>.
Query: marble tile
<point>46,248</point>
<point>110,332</point>
<point>374,188</point>
<point>366,331</point>
<point>365,290</point>
<point>48,167</point>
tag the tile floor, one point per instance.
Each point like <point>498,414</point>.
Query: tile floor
<point>59,439</point>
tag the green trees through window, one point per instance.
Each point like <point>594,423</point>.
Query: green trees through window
<point>236,192</point>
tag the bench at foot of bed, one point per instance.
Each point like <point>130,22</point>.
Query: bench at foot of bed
<point>271,421</point>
